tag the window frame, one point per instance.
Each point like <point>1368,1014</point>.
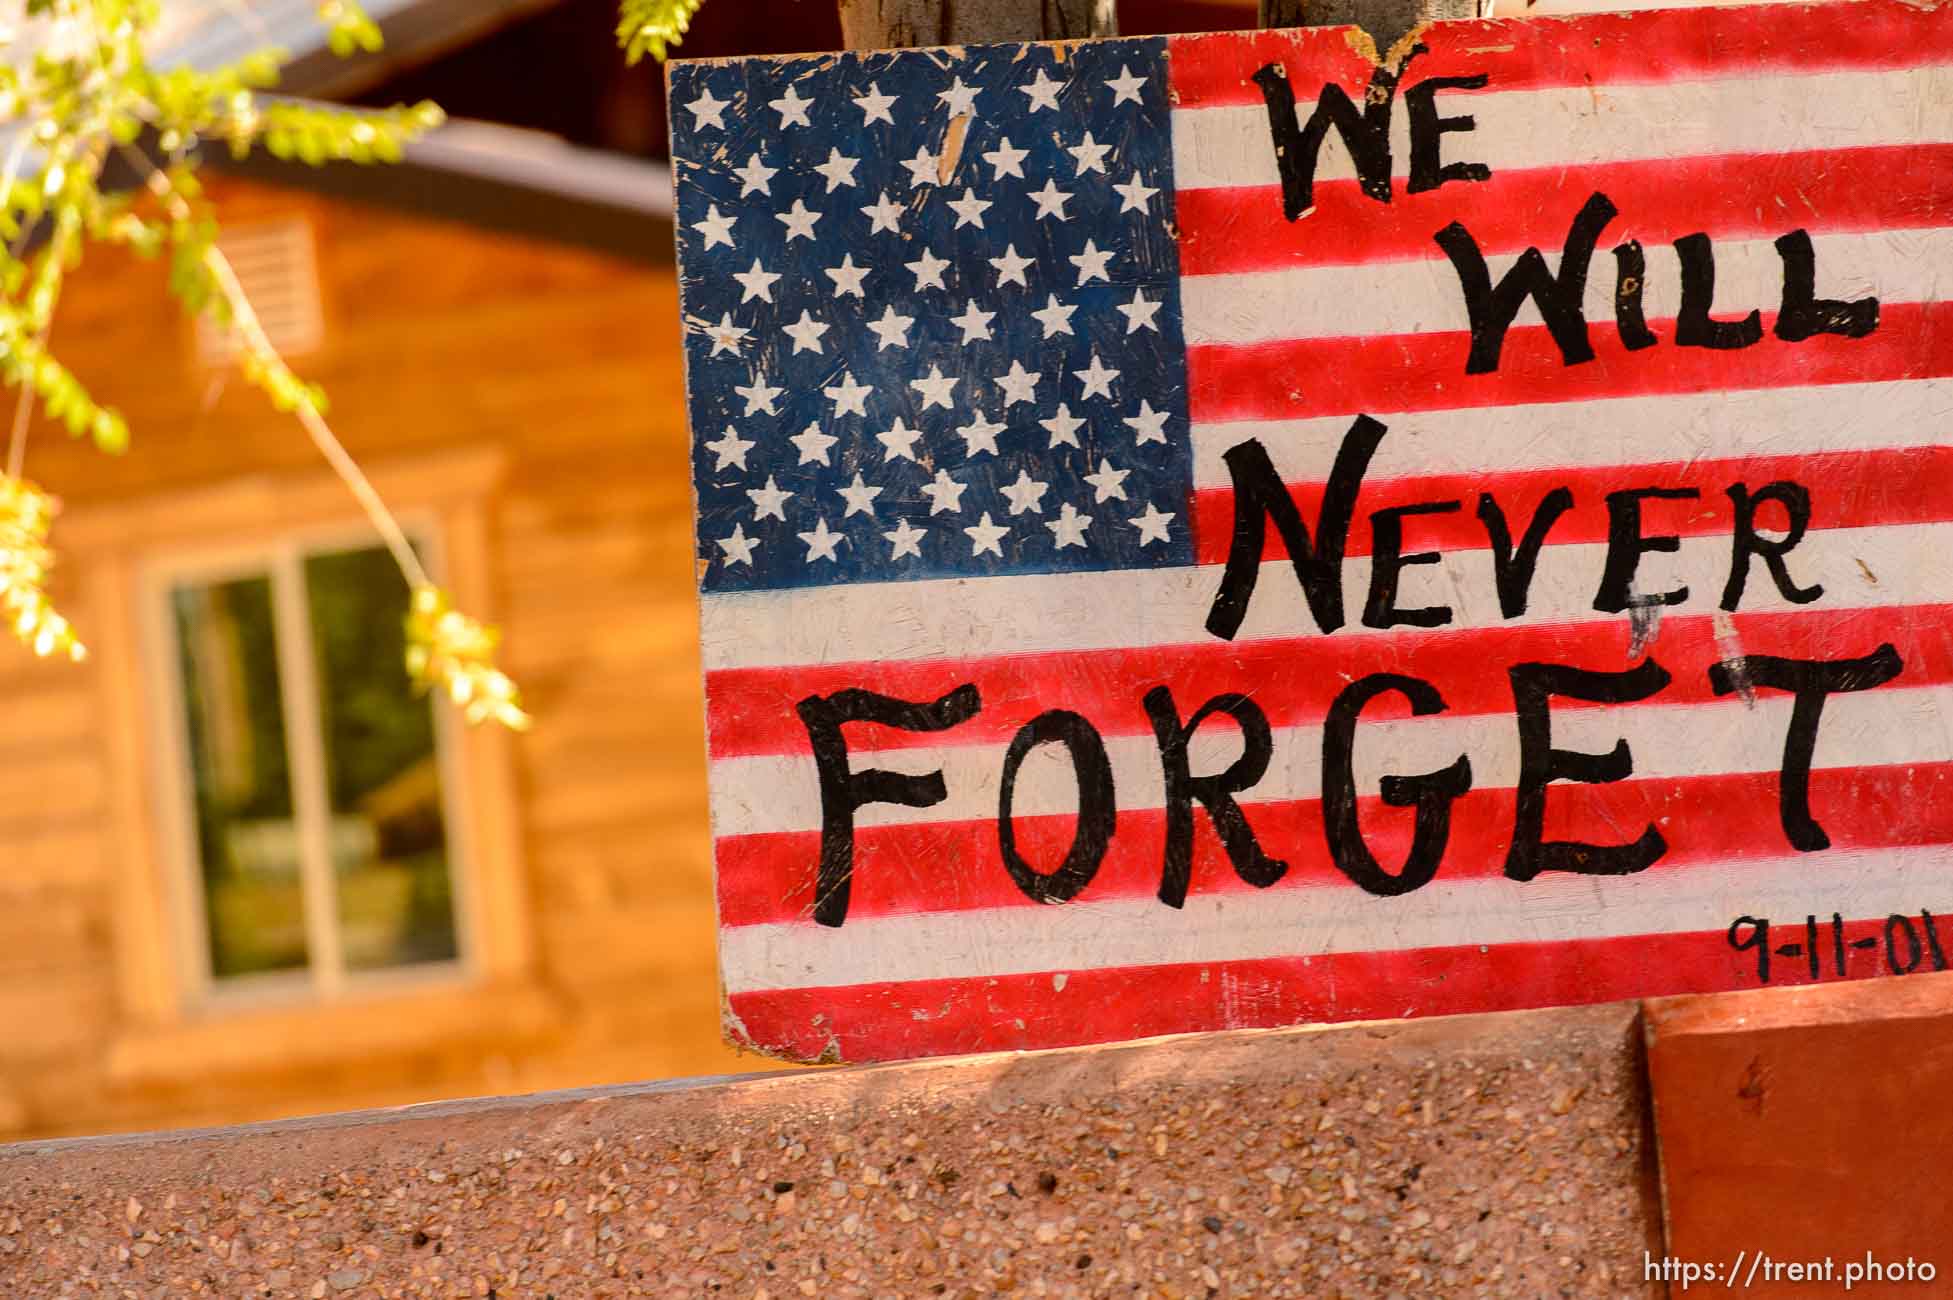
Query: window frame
<point>281,560</point>
<point>168,1029</point>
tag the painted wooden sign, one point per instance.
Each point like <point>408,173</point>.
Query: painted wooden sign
<point>1212,531</point>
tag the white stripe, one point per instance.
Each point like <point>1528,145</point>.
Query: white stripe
<point>1237,926</point>
<point>1423,295</point>
<point>1875,728</point>
<point>1616,431</point>
<point>1028,614</point>
<point>1571,126</point>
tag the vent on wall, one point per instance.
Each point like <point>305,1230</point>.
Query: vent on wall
<point>275,265</point>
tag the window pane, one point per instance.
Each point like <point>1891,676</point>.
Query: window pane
<point>389,843</point>
<point>246,835</point>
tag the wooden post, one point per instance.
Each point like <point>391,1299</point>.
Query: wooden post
<point>900,24</point>
<point>1387,21</point>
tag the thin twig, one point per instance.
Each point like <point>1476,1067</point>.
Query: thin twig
<point>16,156</point>
<point>244,319</point>
<point>17,444</point>
<point>23,406</point>
<point>92,158</point>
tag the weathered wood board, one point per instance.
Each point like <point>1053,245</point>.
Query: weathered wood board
<point>1210,531</point>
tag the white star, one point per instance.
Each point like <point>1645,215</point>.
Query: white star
<point>975,324</point>
<point>1149,425</point>
<point>944,493</point>
<point>1025,494</point>
<point>813,444</point>
<point>1011,267</point>
<point>725,335</point>
<point>1006,161</point>
<point>717,229</point>
<point>859,496</point>
<point>769,500</point>
<point>922,168</point>
<point>960,98</point>
<point>1125,86</point>
<point>792,108</point>
<point>1091,263</point>
<point>798,220</point>
<point>928,270</point>
<point>884,214</point>
<point>1139,312</point>
<point>805,333</point>
<point>1097,378</point>
<point>1019,385</point>
<point>1063,426</point>
<point>706,110</point>
<point>891,329</point>
<point>821,542</point>
<point>898,443</point>
<point>985,535</point>
<point>847,277</point>
<point>839,171</point>
<point>1054,316</point>
<point>934,388</point>
<point>754,176</point>
<point>759,396</point>
<point>1089,155</point>
<point>874,106</point>
<point>1043,92</point>
<point>848,396</point>
<point>1133,194</point>
<point>730,448</point>
<point>1068,529</point>
<point>968,209</point>
<point>1152,524</point>
<point>906,539</point>
<point>738,547</point>
<point>980,434</point>
<point>1051,200</point>
<point>758,282</point>
<point>1109,483</point>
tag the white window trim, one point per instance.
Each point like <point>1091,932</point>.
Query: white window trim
<point>166,1032</point>
<point>324,979</point>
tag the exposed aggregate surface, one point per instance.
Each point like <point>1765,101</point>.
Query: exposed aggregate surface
<point>1497,1156</point>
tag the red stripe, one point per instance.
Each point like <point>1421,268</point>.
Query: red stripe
<point>868,1022</point>
<point>899,870</point>
<point>1379,374</point>
<point>1850,489</point>
<point>1660,200</point>
<point>1599,49</point>
<point>1215,68</point>
<point>751,711</point>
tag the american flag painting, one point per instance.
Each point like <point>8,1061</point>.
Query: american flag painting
<point>1217,531</point>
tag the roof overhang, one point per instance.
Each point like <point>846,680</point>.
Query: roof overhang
<point>501,178</point>
<point>206,35</point>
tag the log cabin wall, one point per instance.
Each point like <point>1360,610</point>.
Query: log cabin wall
<point>562,366</point>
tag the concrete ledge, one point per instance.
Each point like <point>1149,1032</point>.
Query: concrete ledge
<point>1490,1155</point>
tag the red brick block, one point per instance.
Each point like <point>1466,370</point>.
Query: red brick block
<point>1804,1124</point>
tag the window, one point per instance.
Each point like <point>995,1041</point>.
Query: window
<point>245,640</point>
<point>312,772</point>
